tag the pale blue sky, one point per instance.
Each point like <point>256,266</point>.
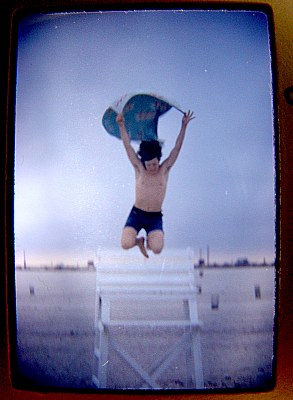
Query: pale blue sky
<point>74,184</point>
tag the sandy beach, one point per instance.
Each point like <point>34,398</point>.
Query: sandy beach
<point>55,317</point>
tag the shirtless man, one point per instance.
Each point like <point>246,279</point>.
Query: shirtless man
<point>151,179</point>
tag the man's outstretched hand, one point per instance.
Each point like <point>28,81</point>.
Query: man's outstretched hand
<point>187,117</point>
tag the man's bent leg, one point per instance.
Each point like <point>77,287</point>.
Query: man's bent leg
<point>156,241</point>
<point>129,239</point>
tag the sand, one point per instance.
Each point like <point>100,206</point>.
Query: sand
<point>55,313</point>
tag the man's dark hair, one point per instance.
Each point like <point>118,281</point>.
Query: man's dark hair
<point>150,149</point>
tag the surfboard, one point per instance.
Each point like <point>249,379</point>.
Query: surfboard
<point>141,114</point>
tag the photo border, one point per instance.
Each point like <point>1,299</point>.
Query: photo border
<point>282,73</point>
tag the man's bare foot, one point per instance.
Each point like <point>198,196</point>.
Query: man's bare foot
<point>140,244</point>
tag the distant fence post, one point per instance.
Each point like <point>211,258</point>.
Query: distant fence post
<point>215,300</point>
<point>257,292</point>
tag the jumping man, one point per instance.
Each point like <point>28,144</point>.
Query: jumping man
<point>151,179</point>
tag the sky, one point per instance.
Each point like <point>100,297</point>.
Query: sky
<point>74,186</point>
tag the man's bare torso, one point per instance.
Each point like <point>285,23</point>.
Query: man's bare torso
<point>150,190</point>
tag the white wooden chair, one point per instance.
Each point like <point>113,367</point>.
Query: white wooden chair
<point>151,291</point>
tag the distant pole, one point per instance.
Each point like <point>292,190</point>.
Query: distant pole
<point>208,256</point>
<point>201,263</point>
<point>24,261</point>
<point>257,291</point>
<point>215,300</point>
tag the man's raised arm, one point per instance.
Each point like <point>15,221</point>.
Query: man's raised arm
<point>169,162</point>
<point>135,161</point>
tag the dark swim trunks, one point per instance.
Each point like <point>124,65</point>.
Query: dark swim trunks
<point>150,221</point>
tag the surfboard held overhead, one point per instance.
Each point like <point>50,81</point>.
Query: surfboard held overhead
<point>141,114</point>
